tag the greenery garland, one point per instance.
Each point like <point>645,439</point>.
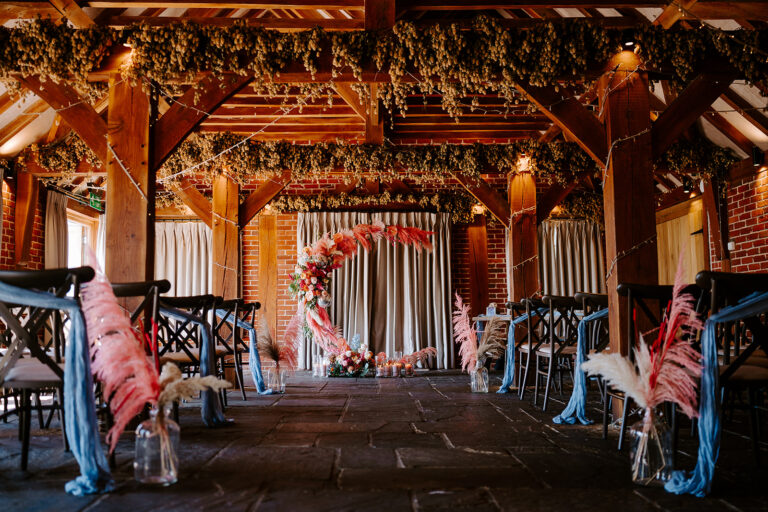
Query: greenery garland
<point>485,58</point>
<point>699,158</point>
<point>586,205</point>
<point>458,204</point>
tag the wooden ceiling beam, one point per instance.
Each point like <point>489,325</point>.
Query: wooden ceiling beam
<point>681,113</point>
<point>730,131</point>
<point>351,98</point>
<point>190,110</point>
<point>572,117</point>
<point>260,197</point>
<point>28,10</point>
<point>551,198</point>
<point>283,24</point>
<point>242,4</point>
<point>673,12</point>
<point>487,195</point>
<point>757,118</point>
<point>190,196</point>
<point>29,115</point>
<point>75,110</point>
<point>73,12</point>
<point>469,5</point>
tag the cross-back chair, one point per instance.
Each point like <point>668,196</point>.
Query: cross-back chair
<point>536,330</point>
<point>26,367</point>
<point>557,351</point>
<point>742,344</point>
<point>229,337</point>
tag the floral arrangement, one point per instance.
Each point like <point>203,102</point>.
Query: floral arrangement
<point>310,281</point>
<point>283,353</point>
<point>352,363</point>
<point>470,350</point>
<point>129,377</point>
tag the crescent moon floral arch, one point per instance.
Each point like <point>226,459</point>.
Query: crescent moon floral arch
<point>311,279</point>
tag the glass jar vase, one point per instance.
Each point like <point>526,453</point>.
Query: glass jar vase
<point>479,378</point>
<point>276,380</point>
<point>651,449</point>
<point>156,460</point>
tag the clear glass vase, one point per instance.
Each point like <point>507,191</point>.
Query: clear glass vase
<point>479,378</point>
<point>276,380</point>
<point>651,449</point>
<point>157,443</point>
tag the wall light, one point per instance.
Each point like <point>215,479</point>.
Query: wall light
<point>478,209</point>
<point>758,157</point>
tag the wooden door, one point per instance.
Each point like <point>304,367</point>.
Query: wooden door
<point>678,228</point>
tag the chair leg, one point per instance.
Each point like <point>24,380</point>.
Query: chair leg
<point>24,426</point>
<point>550,366</point>
<point>624,414</point>
<point>39,407</point>
<point>536,381</point>
<point>606,402</point>
<point>239,374</point>
<point>62,419</point>
<point>525,376</point>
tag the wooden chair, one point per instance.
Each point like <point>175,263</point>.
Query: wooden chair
<point>26,368</point>
<point>743,344</point>
<point>558,349</point>
<point>598,338</point>
<point>229,337</point>
<point>536,327</point>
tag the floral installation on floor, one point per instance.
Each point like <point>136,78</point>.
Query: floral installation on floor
<point>352,363</point>
<point>130,379</point>
<point>666,370</point>
<point>311,280</point>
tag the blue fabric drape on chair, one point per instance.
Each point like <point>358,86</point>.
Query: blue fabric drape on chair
<point>79,405</point>
<point>699,482</point>
<point>254,361</point>
<point>212,412</point>
<point>576,408</point>
<point>509,364</point>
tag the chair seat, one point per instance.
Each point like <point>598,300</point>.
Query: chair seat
<point>755,359</point>
<point>523,348</point>
<point>31,373</point>
<point>184,358</point>
<point>566,351</point>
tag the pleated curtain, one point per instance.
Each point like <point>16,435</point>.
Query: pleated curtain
<point>183,256</point>
<point>56,231</point>
<point>571,257</point>
<point>395,298</point>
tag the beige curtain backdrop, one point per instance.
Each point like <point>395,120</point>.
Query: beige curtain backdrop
<point>395,298</point>
<point>56,244</point>
<point>571,257</point>
<point>183,257</point>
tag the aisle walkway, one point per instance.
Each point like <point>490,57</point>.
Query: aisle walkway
<point>424,443</point>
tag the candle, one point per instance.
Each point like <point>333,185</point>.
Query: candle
<point>408,370</point>
<point>396,368</point>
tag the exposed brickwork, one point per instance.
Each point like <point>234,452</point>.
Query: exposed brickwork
<point>7,251</point>
<point>497,266</point>
<point>747,224</point>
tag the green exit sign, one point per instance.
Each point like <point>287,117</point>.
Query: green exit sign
<point>94,200</point>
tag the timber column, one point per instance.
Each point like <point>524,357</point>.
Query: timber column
<point>628,189</point>
<point>523,235</point>
<point>130,208</point>
<point>226,237</point>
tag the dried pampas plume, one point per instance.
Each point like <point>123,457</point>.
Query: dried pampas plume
<point>492,343</point>
<point>175,388</point>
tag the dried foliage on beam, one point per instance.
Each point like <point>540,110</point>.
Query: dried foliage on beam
<point>585,205</point>
<point>485,58</point>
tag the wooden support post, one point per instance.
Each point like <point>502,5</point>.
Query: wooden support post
<point>130,193</point>
<point>194,200</point>
<point>226,238</point>
<point>27,195</point>
<point>268,270</point>
<point>630,219</point>
<point>260,197</point>
<point>479,294</point>
<point>523,236</point>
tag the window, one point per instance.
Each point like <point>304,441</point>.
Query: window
<point>81,233</point>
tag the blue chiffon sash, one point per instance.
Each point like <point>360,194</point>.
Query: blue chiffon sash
<point>212,411</point>
<point>509,365</point>
<point>699,482</point>
<point>79,404</point>
<point>254,361</point>
<point>576,408</point>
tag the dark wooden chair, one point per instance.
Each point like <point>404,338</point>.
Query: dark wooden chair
<point>598,338</point>
<point>26,368</point>
<point>229,337</point>
<point>536,328</point>
<point>742,344</point>
<point>557,352</point>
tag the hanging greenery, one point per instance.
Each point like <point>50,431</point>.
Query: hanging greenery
<point>698,158</point>
<point>585,205</point>
<point>456,61</point>
<point>458,204</point>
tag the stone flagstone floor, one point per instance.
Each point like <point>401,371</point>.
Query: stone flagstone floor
<point>422,444</point>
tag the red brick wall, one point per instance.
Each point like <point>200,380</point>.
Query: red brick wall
<point>747,224</point>
<point>497,265</point>
<point>8,249</point>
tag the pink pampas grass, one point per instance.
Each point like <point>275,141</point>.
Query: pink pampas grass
<point>128,377</point>
<point>464,335</point>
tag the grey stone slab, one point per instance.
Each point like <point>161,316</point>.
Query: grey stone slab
<point>454,458</point>
<point>432,478</point>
